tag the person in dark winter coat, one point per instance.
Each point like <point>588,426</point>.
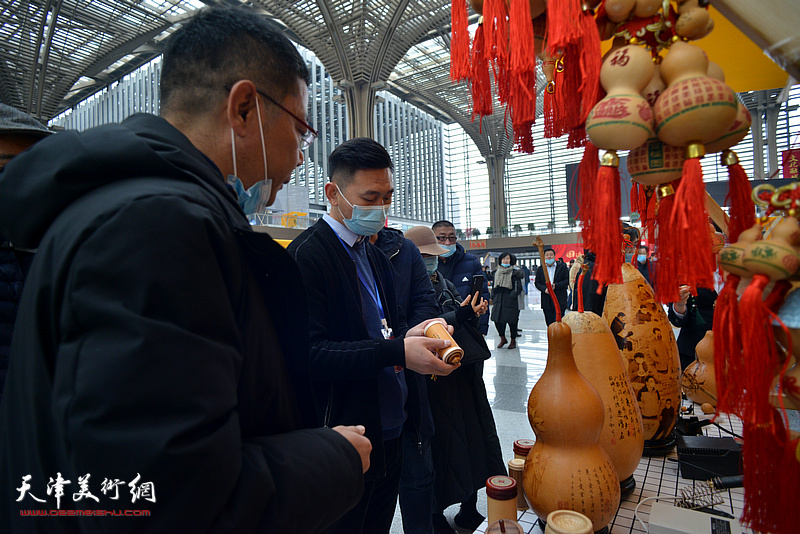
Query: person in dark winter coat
<point>459,266</point>
<point>592,300</point>
<point>161,343</point>
<point>643,264</point>
<point>18,132</point>
<point>360,344</point>
<point>506,289</point>
<point>466,450</point>
<point>559,278</point>
<point>694,315</point>
<point>417,300</point>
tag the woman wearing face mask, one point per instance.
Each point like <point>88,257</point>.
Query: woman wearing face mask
<point>505,306</point>
<point>465,447</point>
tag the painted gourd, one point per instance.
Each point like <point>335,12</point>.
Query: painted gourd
<point>693,108</point>
<point>655,162</point>
<point>623,119</point>
<point>567,468</point>
<point>647,343</point>
<point>598,360</point>
<point>698,380</point>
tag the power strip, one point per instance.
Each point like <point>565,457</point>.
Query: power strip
<point>668,519</point>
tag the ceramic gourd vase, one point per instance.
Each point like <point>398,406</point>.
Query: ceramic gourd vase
<point>623,119</point>
<point>698,381</point>
<point>599,361</point>
<point>645,339</point>
<point>693,108</point>
<point>567,468</point>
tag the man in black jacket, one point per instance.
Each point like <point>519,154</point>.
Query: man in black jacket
<point>18,132</point>
<point>559,277</point>
<point>360,344</point>
<point>417,300</point>
<point>460,266</point>
<point>160,360</point>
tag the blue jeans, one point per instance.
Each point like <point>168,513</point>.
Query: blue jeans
<point>416,485</point>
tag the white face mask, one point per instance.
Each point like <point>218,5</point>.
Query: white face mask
<point>256,198</point>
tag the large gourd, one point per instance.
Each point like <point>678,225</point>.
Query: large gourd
<point>567,468</point>
<point>645,339</point>
<point>598,360</point>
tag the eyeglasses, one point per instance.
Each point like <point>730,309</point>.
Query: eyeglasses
<point>307,138</point>
<point>446,238</point>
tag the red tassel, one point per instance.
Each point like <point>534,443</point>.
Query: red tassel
<point>634,200</point>
<point>728,360</point>
<point>577,137</point>
<point>760,355</point>
<point>587,173</point>
<point>562,24</point>
<point>591,59</point>
<point>668,245</point>
<point>567,96</point>
<point>606,232</point>
<point>495,21</point>
<point>762,457</point>
<point>522,95</point>
<point>742,210</point>
<point>459,42</point>
<point>579,285</point>
<point>551,130</point>
<point>690,222</point>
<point>481,83</point>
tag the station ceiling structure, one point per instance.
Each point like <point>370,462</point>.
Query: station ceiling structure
<point>56,53</point>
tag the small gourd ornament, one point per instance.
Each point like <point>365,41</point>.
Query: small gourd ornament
<point>698,380</point>
<point>789,315</point>
<point>567,468</point>
<point>599,361</point>
<point>622,120</point>
<point>770,465</point>
<point>692,111</point>
<point>647,343</point>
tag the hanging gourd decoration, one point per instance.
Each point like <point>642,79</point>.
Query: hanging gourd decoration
<point>647,343</point>
<point>728,359</point>
<point>599,361</point>
<point>567,468</point>
<point>698,379</point>
<point>622,120</point>
<point>769,468</point>
<point>692,111</point>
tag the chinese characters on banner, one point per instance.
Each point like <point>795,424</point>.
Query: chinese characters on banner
<point>791,164</point>
<point>568,252</point>
<point>109,488</point>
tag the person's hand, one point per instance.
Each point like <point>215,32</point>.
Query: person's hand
<point>355,435</point>
<point>683,295</point>
<point>419,330</point>
<point>422,358</point>
<point>479,305</point>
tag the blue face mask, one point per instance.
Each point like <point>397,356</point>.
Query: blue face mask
<point>451,249</point>
<point>642,258</point>
<point>505,265</point>
<point>256,198</point>
<point>366,220</point>
<point>550,262</point>
<point>252,200</point>
<point>431,264</point>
